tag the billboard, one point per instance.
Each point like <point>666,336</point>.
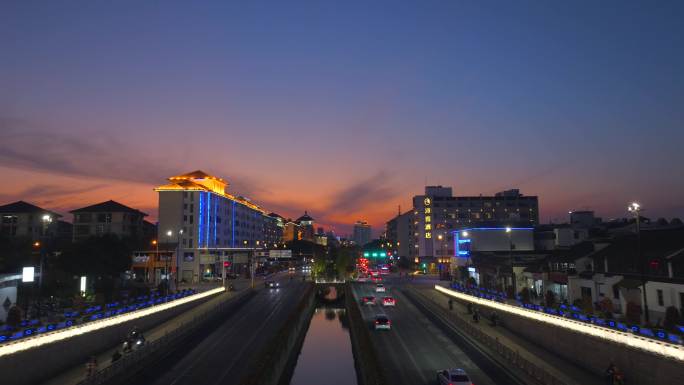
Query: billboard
<point>280,253</point>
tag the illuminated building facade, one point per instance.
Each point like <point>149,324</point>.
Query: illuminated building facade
<point>210,225</point>
<point>428,234</point>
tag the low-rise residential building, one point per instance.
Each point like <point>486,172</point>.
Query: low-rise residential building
<point>617,272</point>
<point>23,219</point>
<point>108,217</point>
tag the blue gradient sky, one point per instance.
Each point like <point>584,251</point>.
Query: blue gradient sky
<point>345,108</point>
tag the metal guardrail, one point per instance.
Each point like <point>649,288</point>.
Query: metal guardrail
<point>132,362</point>
<point>511,356</point>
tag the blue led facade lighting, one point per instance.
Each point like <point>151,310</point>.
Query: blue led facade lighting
<point>199,216</point>
<point>232,223</point>
<point>206,244</point>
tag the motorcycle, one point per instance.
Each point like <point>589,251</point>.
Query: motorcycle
<point>134,341</point>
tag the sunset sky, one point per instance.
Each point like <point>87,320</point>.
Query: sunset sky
<point>347,108</point>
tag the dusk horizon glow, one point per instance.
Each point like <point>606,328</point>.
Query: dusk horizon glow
<point>345,110</point>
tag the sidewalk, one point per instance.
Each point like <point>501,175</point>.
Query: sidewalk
<point>565,371</point>
<point>76,374</point>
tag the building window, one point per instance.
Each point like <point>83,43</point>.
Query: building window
<point>190,242</point>
<point>192,219</point>
<point>616,292</point>
<point>661,301</point>
<point>82,230</point>
<point>586,292</point>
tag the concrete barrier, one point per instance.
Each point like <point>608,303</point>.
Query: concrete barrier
<point>271,363</point>
<point>42,362</point>
<point>590,352</point>
<point>368,370</point>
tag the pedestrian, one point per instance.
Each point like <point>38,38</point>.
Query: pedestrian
<point>610,374</point>
<point>495,318</point>
<point>116,356</point>
<point>91,367</point>
<point>476,316</point>
<point>451,304</point>
<point>470,308</point>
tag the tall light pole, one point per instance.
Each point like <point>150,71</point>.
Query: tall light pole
<point>156,258</point>
<point>178,239</point>
<point>46,219</point>
<point>509,232</point>
<point>636,209</point>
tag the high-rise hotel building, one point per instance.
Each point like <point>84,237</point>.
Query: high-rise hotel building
<point>209,225</point>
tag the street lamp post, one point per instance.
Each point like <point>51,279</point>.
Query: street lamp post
<point>156,258</point>
<point>509,231</point>
<point>636,209</point>
<point>178,239</point>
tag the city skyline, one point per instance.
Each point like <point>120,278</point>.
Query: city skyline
<point>369,103</point>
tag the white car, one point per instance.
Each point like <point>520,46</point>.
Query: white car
<point>383,323</point>
<point>380,288</point>
<point>453,377</point>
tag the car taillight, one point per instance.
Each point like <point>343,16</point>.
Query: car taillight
<point>377,322</point>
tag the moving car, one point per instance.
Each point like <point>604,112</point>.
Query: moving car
<point>383,323</point>
<point>369,300</point>
<point>379,288</point>
<point>389,301</point>
<point>271,284</point>
<point>453,377</point>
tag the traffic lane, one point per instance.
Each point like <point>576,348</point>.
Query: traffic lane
<point>222,357</point>
<point>415,349</point>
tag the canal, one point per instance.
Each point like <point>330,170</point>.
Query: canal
<point>326,356</point>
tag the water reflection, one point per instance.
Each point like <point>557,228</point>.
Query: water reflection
<point>326,356</point>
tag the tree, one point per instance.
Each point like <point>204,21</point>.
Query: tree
<point>16,252</point>
<point>104,256</point>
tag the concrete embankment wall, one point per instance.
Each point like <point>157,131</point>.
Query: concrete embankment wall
<point>595,354</point>
<point>368,371</point>
<point>280,353</point>
<point>41,363</point>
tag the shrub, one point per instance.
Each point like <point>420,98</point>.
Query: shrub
<point>671,318</point>
<point>550,299</point>
<point>633,313</point>
<point>525,294</point>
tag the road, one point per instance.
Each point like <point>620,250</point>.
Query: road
<point>415,349</point>
<point>223,355</point>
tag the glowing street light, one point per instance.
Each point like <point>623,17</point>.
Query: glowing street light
<point>635,208</point>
